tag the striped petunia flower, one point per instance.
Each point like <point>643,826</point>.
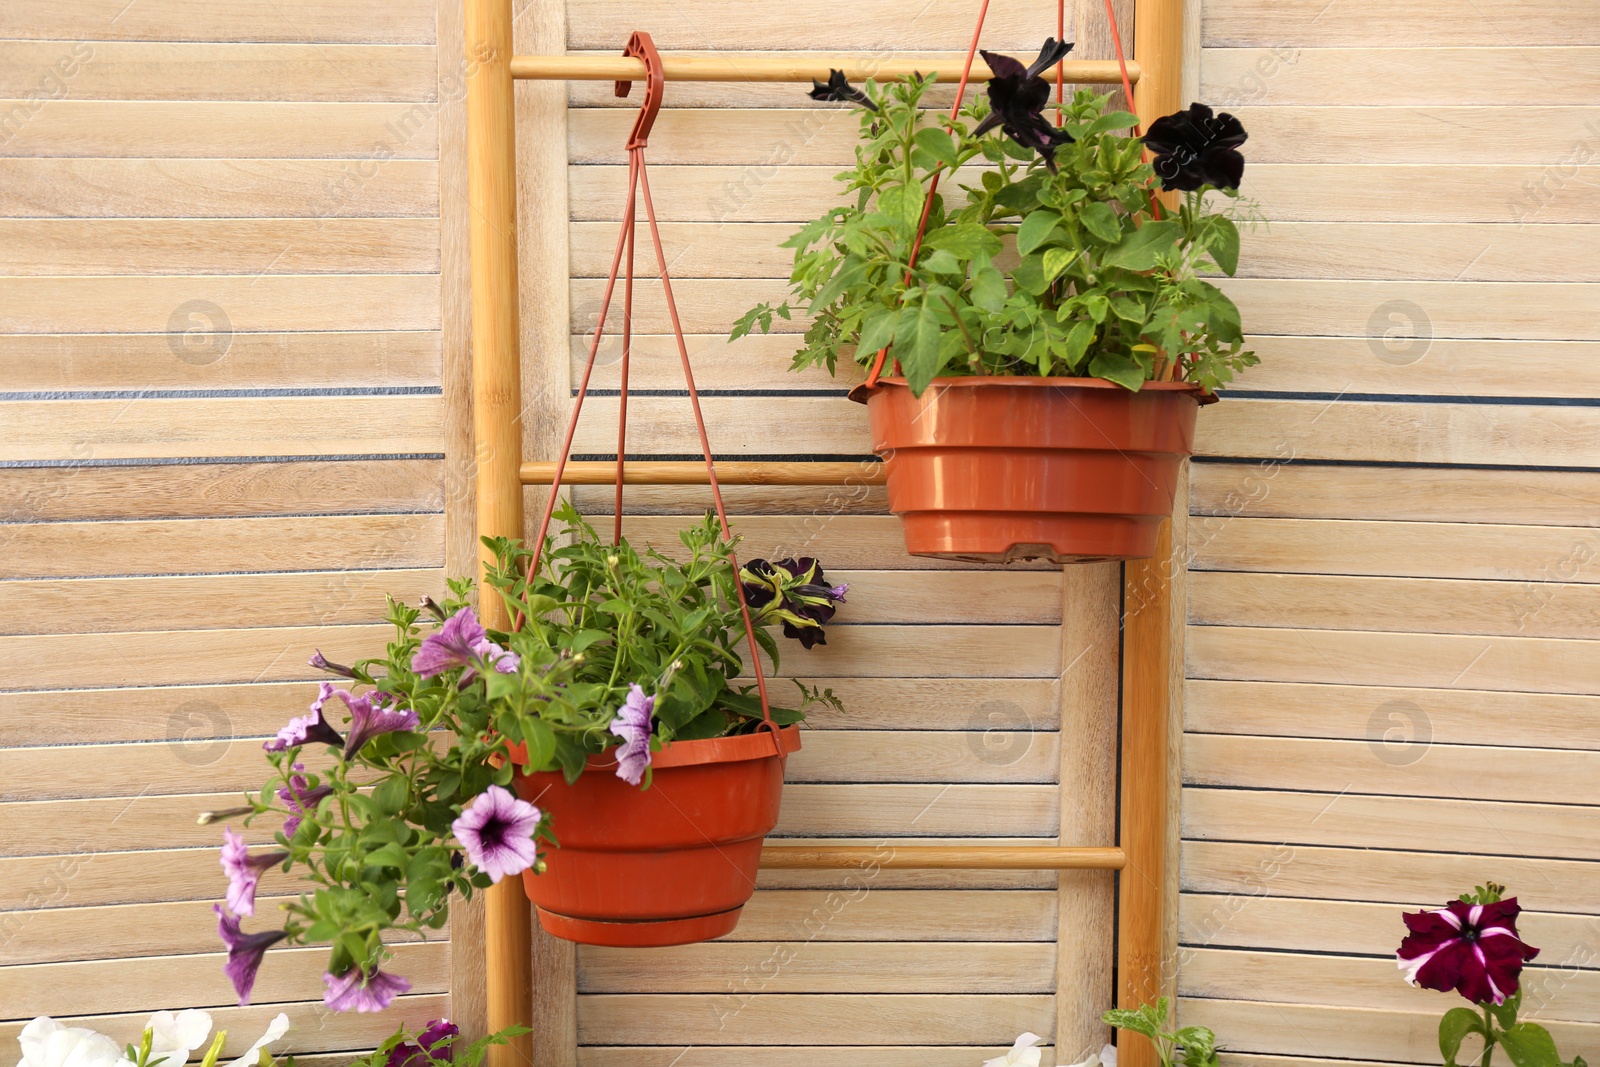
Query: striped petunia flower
<point>1470,948</point>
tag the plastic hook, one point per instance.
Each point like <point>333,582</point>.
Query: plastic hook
<point>640,46</point>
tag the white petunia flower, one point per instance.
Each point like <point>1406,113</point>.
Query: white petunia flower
<point>276,1029</point>
<point>1106,1057</point>
<point>1025,1053</point>
<point>174,1037</point>
<point>46,1043</point>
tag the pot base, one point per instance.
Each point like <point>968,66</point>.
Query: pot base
<point>654,933</point>
<point>1012,537</point>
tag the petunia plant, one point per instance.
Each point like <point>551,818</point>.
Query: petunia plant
<point>1471,947</point>
<point>390,795</point>
<point>1059,262</point>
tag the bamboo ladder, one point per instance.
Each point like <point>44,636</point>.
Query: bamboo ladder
<point>1145,827</point>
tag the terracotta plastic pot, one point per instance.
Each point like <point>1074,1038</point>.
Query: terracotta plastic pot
<point>1072,470</point>
<point>668,865</point>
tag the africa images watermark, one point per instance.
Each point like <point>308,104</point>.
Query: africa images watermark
<point>53,85</point>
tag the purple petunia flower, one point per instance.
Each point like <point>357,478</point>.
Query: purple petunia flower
<point>307,729</point>
<point>299,799</point>
<point>461,642</point>
<point>434,1046</point>
<point>244,870</point>
<point>632,724</point>
<point>244,952</point>
<point>369,718</point>
<point>1472,949</point>
<point>497,831</point>
<point>353,991</point>
<point>320,663</point>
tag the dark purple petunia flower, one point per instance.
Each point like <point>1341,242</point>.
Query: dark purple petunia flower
<point>369,718</point>
<point>795,592</point>
<point>461,642</point>
<point>307,729</point>
<point>244,869</point>
<point>353,991</point>
<point>497,831</point>
<point>632,724</point>
<point>1472,949</point>
<point>1195,147</point>
<point>837,88</point>
<point>299,799</point>
<point>433,1046</point>
<point>1017,99</point>
<point>244,952</point>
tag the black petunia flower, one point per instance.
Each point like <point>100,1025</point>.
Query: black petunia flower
<point>794,592</point>
<point>1017,99</point>
<point>837,88</point>
<point>1195,147</point>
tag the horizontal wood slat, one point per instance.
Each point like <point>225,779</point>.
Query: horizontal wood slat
<point>297,21</point>
<point>1374,24</point>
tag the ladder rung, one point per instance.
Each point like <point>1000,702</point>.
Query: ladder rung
<point>800,67</point>
<point>693,472</point>
<point>943,857</point>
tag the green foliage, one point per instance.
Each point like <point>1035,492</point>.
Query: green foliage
<point>1192,1046</point>
<point>1527,1044</point>
<point>594,618</point>
<point>1039,273</point>
<point>461,1054</point>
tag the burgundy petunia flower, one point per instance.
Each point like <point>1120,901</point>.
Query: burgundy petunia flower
<point>1472,949</point>
<point>433,1046</point>
<point>839,89</point>
<point>1195,147</point>
<point>299,799</point>
<point>497,831</point>
<point>461,642</point>
<point>632,724</point>
<point>353,991</point>
<point>244,952</point>
<point>244,869</point>
<point>369,718</point>
<point>307,729</point>
<point>1017,99</point>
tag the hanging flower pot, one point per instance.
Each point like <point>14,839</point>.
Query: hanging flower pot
<point>992,469</point>
<point>668,865</point>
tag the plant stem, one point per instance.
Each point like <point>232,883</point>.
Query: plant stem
<point>1488,1038</point>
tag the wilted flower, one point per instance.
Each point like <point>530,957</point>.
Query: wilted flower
<point>1470,948</point>
<point>299,799</point>
<point>837,88</point>
<point>370,718</point>
<point>1195,147</point>
<point>795,592</point>
<point>433,1046</point>
<point>1024,1053</point>
<point>355,991</point>
<point>244,952</point>
<point>632,724</point>
<point>244,871</point>
<point>461,642</point>
<point>1017,99</point>
<point>497,831</point>
<point>307,729</point>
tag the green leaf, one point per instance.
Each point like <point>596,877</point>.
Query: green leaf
<point>916,346</point>
<point>849,271</point>
<point>1078,341</point>
<point>1506,1013</point>
<point>937,143</point>
<point>391,794</point>
<point>1057,260</point>
<point>903,204</point>
<point>1115,367</point>
<point>968,240</point>
<point>943,262</point>
<point>390,855</point>
<point>1036,230</point>
<point>1100,220</point>
<point>1129,310</point>
<point>1111,120</point>
<point>1224,244</point>
<point>1029,275</point>
<point>877,331</point>
<point>1456,1024</point>
<point>1140,249</point>
<point>1530,1045</point>
<point>989,289</point>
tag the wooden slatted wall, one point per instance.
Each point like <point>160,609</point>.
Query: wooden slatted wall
<point>223,438</point>
<point>1392,658</point>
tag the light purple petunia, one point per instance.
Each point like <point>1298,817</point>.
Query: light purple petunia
<point>244,952</point>
<point>497,831</point>
<point>299,799</point>
<point>353,991</point>
<point>370,717</point>
<point>307,729</point>
<point>461,642</point>
<point>837,592</point>
<point>632,724</point>
<point>244,870</point>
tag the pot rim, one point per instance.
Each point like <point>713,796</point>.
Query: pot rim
<point>862,392</point>
<point>736,749</point>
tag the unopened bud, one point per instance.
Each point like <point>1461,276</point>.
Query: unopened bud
<point>206,818</point>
